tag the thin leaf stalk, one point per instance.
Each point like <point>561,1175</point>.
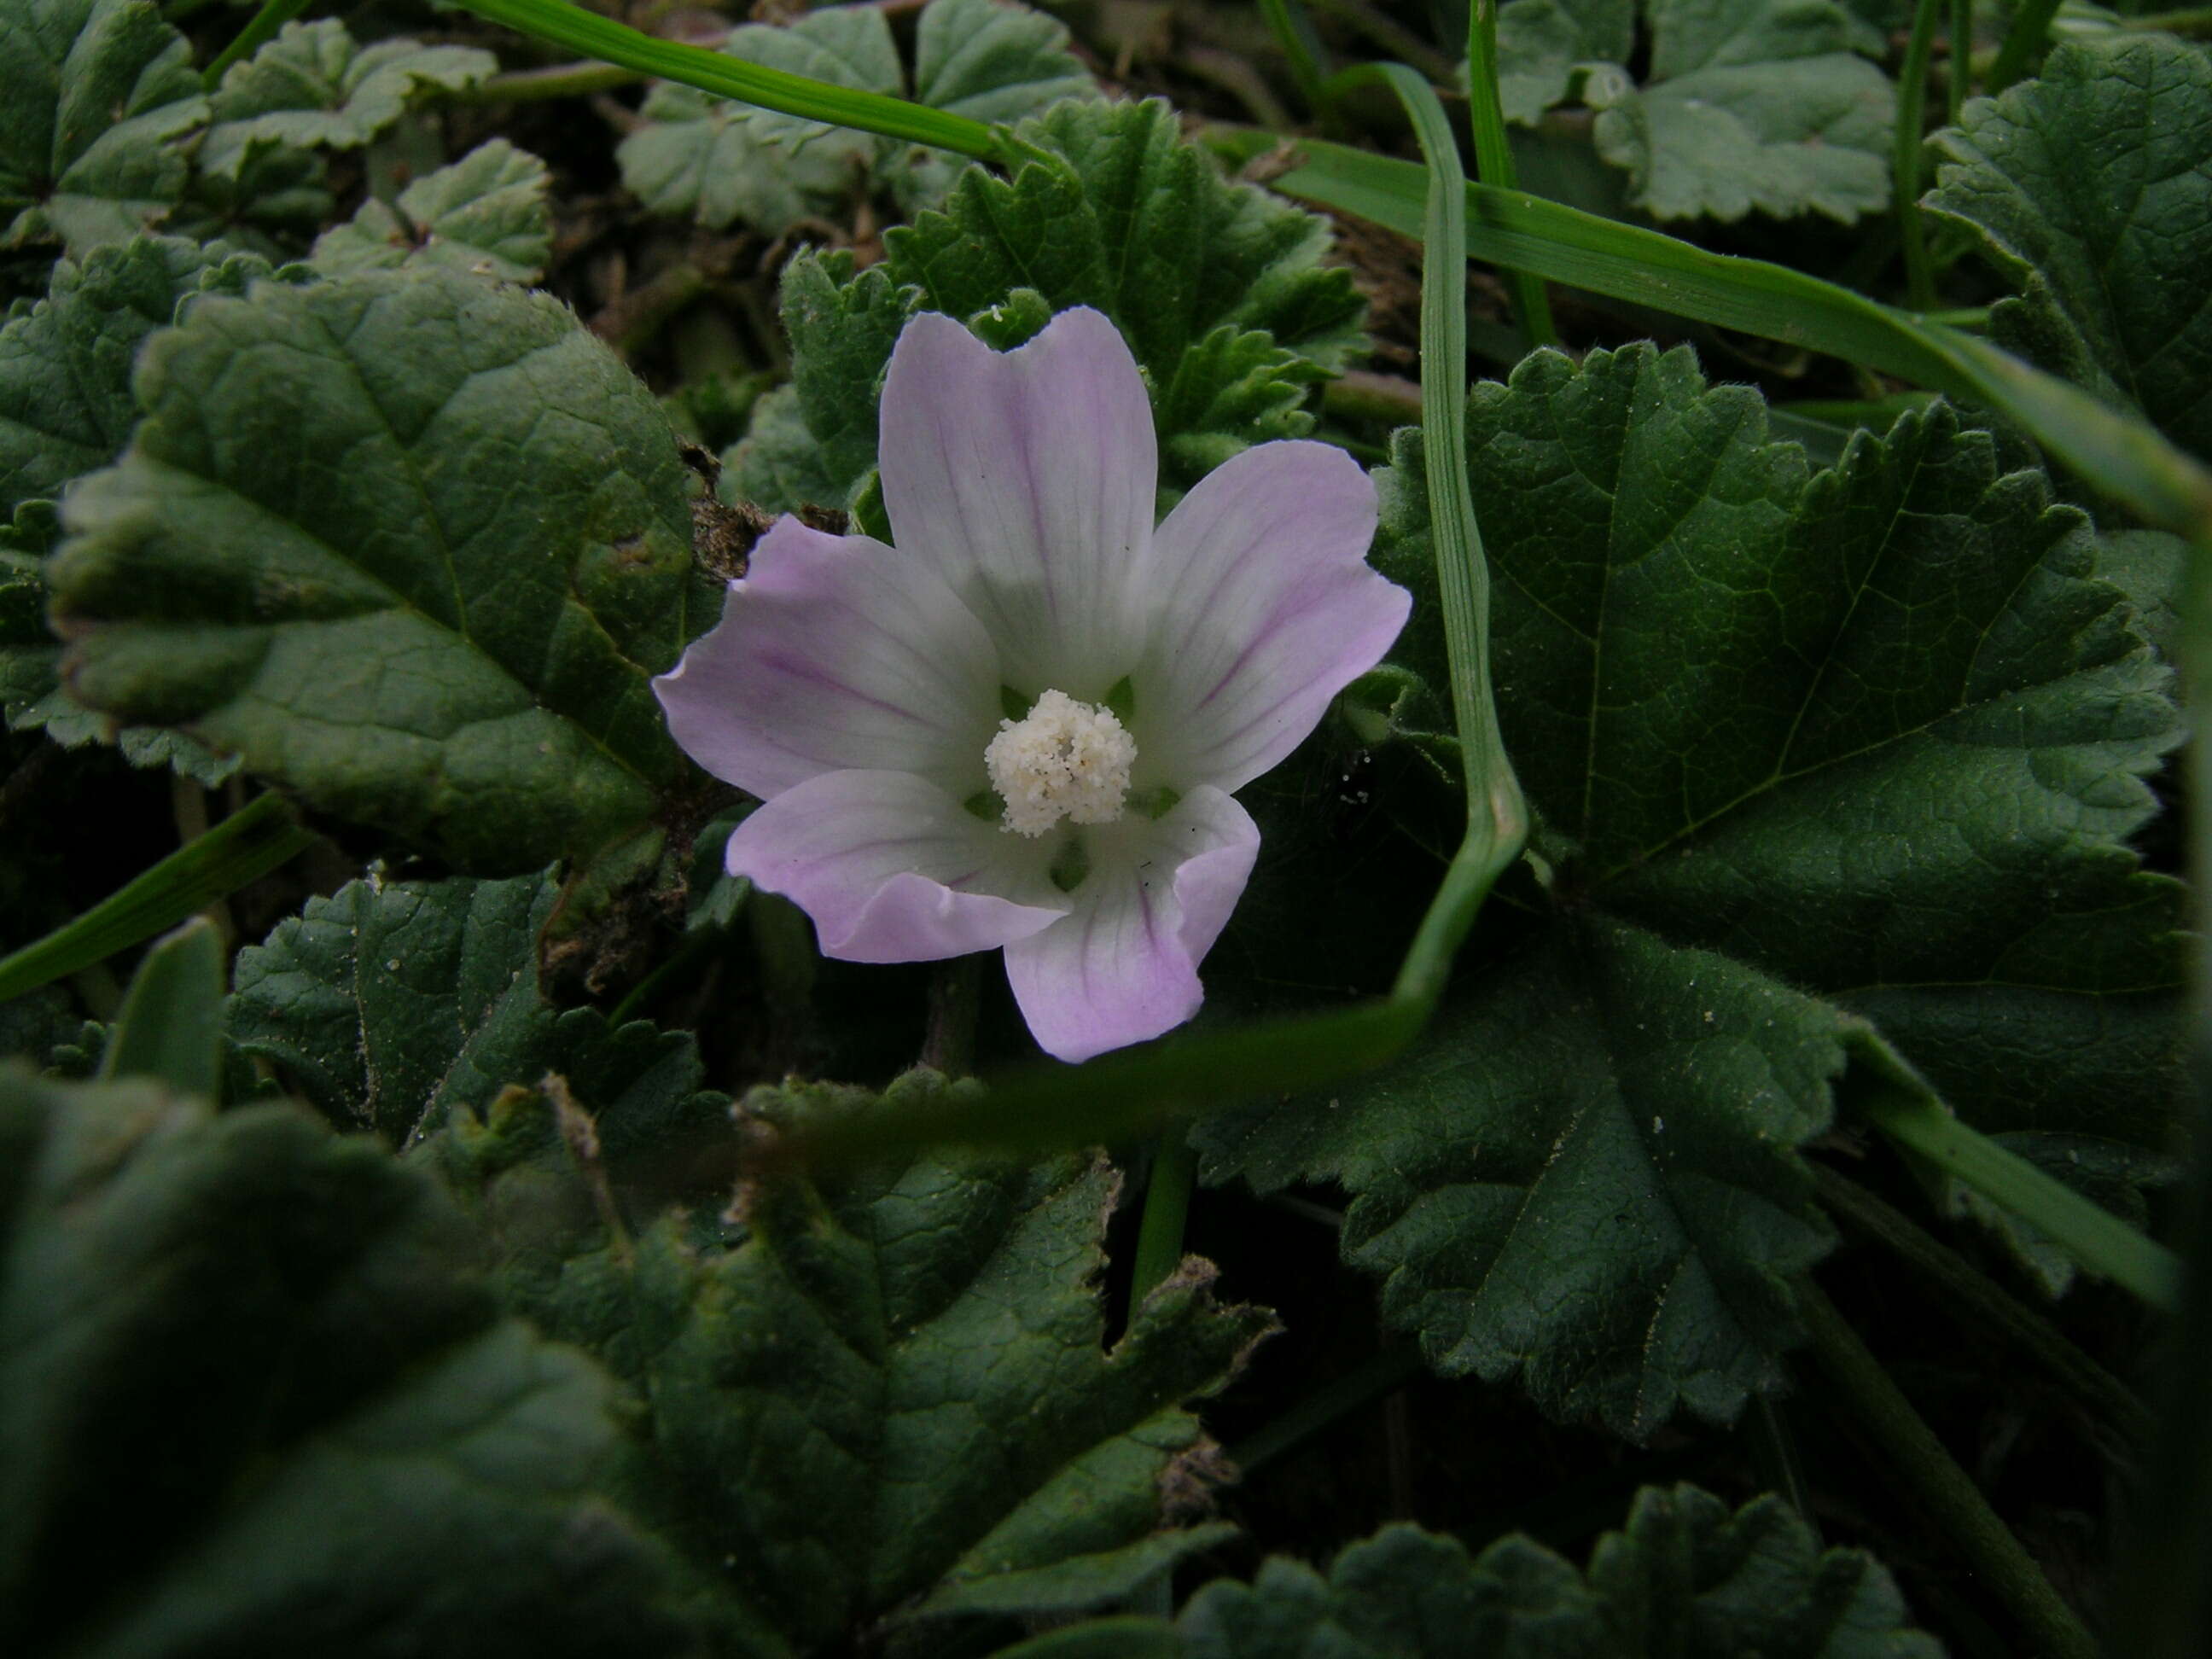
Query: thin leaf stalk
<point>1493,160</point>
<point>258,30</point>
<point>1921,1464</point>
<point>2092,1235</point>
<point>1167,1211</point>
<point>2030,25</point>
<point>1905,155</point>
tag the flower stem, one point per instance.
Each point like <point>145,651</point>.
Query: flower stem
<point>2021,42</point>
<point>955,996</point>
<point>272,16</point>
<point>1949,1275</point>
<point>1167,1206</point>
<point>1493,159</point>
<point>1905,156</point>
<point>2085,1229</point>
<point>1957,83</point>
<point>1921,1464</point>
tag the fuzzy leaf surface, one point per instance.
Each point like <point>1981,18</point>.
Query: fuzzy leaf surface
<point>1879,735</point>
<point>1111,209</point>
<point>1684,1576</point>
<point>392,1005</point>
<point>893,1392</point>
<point>2091,186</point>
<point>451,636</point>
<point>1541,42</point>
<point>93,95</point>
<point>246,1403</point>
<point>1750,108</point>
<point>314,87</point>
<point>486,214</point>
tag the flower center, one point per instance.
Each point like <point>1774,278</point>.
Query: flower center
<point>1063,759</point>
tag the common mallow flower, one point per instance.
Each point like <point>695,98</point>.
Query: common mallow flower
<point>1022,726</point>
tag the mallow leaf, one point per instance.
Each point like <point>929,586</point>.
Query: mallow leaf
<point>312,86</point>
<point>485,215</point>
<point>93,96</point>
<point>65,407</point>
<point>391,1004</point>
<point>247,1403</point>
<point>2091,187</point>
<point>892,1397</point>
<point>1829,770</point>
<point>1685,1575</point>
<point>1760,107</point>
<point>1108,208</point>
<point>411,545</point>
<point>989,61</point>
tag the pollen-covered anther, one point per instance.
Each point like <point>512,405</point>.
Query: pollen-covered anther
<point>1064,759</point>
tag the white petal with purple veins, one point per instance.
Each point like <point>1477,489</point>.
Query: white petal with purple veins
<point>1027,478</point>
<point>1263,609</point>
<point>836,652</point>
<point>893,869</point>
<point>1122,965</point>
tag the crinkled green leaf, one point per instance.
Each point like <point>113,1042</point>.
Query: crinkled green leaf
<point>1685,1577</point>
<point>892,1397</point>
<point>93,95</point>
<point>1111,209</point>
<point>65,407</point>
<point>1541,43</point>
<point>313,86</point>
<point>990,61</point>
<point>2091,186</point>
<point>1876,735</point>
<point>1586,1175</point>
<point>1750,107</point>
<point>485,215</point>
<point>413,545</point>
<point>720,161</point>
<point>390,1004</point>
<point>248,1404</point>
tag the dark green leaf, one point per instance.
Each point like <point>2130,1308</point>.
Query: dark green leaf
<point>93,95</point>
<point>2092,188</point>
<point>485,215</point>
<point>390,1004</point>
<point>1878,735</point>
<point>170,1028</point>
<point>451,633</point>
<point>1541,43</point>
<point>248,1405</point>
<point>893,1396</point>
<point>313,87</point>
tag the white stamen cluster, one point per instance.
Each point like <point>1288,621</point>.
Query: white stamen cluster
<point>1064,759</point>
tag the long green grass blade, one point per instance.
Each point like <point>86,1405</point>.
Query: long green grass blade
<point>593,36</point>
<point>243,848</point>
<point>265,23</point>
<point>1905,155</point>
<point>1493,158</point>
<point>2031,23</point>
<point>2123,457</point>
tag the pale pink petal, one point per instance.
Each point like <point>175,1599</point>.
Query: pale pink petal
<point>1026,478</point>
<point>1122,966</point>
<point>836,652</point>
<point>1263,609</point>
<point>893,869</point>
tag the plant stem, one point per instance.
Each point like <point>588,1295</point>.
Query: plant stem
<point>955,996</point>
<point>272,16</point>
<point>2085,1229</point>
<point>2191,20</point>
<point>1959,80</point>
<point>1918,1461</point>
<point>2021,42</point>
<point>1775,1453</point>
<point>1167,1205</point>
<point>1493,159</point>
<point>1301,50</point>
<point>1394,38</point>
<point>1950,1276</point>
<point>1391,1369</point>
<point>1905,156</point>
